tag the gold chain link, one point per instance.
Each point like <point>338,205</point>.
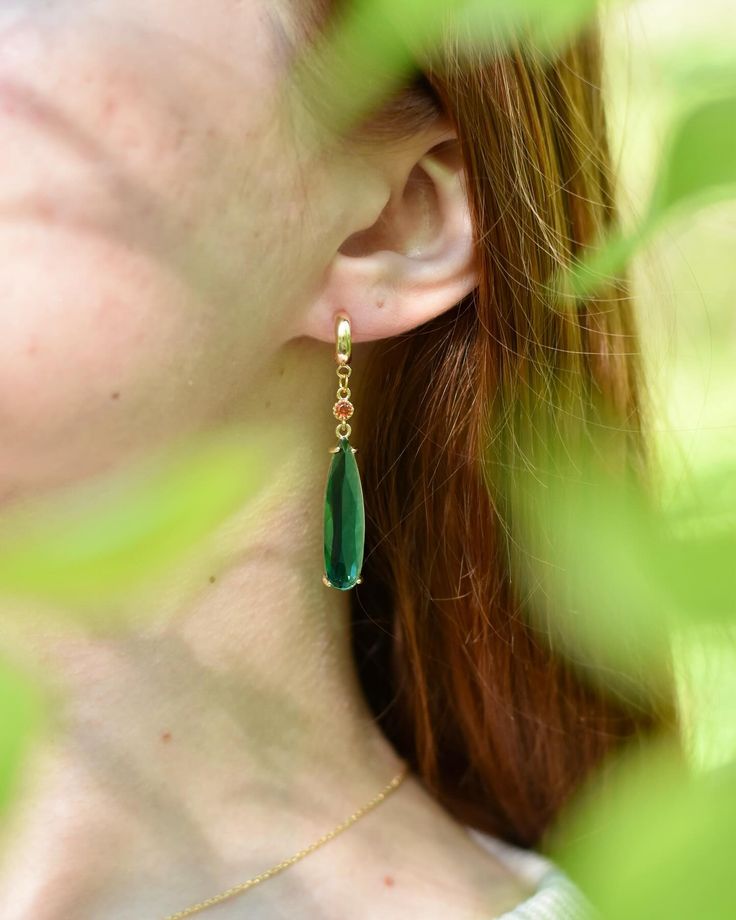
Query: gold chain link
<point>343,430</point>
<point>284,864</point>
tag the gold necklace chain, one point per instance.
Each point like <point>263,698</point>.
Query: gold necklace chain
<point>284,864</point>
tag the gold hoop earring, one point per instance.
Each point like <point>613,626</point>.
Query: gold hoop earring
<point>344,512</point>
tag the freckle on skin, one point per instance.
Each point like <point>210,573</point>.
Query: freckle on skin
<point>179,137</point>
<point>166,736</point>
<point>212,579</point>
<point>45,210</point>
<point>115,395</point>
<point>381,303</point>
<point>110,106</point>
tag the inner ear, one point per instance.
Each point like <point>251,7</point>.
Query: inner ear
<point>411,221</point>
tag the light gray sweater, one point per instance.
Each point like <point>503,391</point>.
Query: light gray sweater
<point>555,896</point>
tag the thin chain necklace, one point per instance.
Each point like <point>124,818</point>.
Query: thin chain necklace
<point>284,864</point>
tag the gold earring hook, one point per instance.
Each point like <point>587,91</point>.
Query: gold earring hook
<point>343,342</point>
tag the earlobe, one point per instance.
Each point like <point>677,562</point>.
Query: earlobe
<point>414,263</point>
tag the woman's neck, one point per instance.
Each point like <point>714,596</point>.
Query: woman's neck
<point>227,728</point>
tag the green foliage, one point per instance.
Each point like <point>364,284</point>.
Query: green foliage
<point>22,717</point>
<point>697,168</point>
<point>98,541</point>
<point>629,583</point>
<point>622,558</point>
<point>90,545</point>
<point>541,26</point>
<point>655,842</point>
<point>700,166</point>
<point>379,43</point>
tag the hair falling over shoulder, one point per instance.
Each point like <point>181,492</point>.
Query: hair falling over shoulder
<point>499,725</point>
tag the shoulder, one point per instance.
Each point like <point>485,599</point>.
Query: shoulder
<point>554,895</point>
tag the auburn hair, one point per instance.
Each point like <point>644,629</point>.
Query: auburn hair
<point>497,722</point>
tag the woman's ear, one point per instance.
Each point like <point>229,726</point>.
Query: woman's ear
<point>416,259</point>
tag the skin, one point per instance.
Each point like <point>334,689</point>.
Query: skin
<point>172,254</point>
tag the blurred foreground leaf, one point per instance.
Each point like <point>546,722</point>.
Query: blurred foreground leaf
<point>701,69</point>
<point>538,24</point>
<point>621,573</point>
<point>375,45</point>
<point>655,842</point>
<point>698,168</point>
<point>101,539</point>
<point>21,719</point>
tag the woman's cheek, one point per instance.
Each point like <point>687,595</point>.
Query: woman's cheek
<point>114,290</point>
<point>98,355</point>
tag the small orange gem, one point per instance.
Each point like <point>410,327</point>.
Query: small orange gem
<point>343,409</point>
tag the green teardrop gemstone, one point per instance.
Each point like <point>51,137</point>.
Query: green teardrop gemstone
<point>344,521</point>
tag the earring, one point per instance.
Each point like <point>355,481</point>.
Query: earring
<point>344,515</point>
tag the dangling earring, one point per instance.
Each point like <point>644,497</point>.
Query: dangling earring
<point>344,518</point>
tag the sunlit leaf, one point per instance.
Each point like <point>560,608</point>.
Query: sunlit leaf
<point>705,661</point>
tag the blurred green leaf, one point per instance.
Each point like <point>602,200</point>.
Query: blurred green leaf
<point>591,556</point>
<point>697,561</point>
<point>376,44</point>
<point>702,70</point>
<point>700,165</point>
<point>705,662</point>
<point>620,572</point>
<point>653,842</point>
<point>602,266</point>
<point>697,168</point>
<point>104,538</point>
<point>538,24</point>
<point>22,716</point>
